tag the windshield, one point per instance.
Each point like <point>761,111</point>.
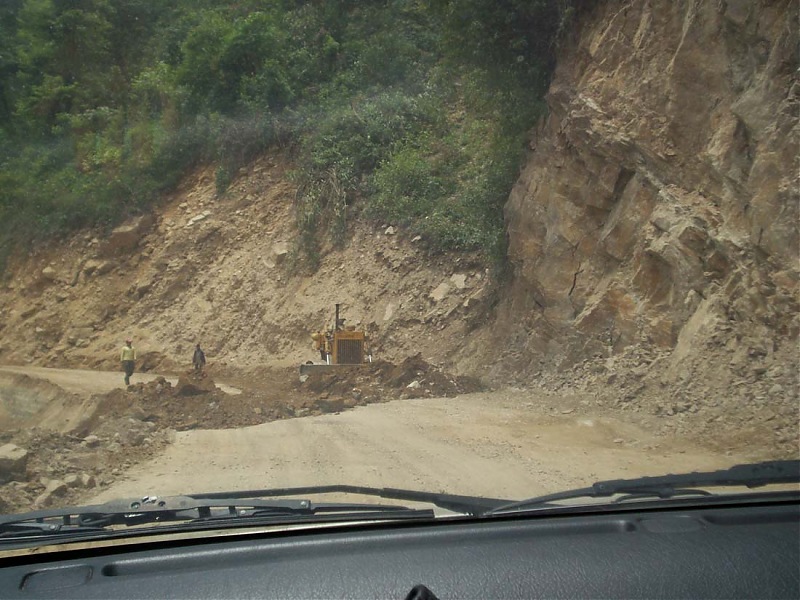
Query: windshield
<point>457,247</point>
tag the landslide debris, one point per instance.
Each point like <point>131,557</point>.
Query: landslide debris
<point>380,381</point>
<point>61,466</point>
<point>739,394</point>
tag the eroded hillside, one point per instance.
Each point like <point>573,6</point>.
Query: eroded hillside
<point>222,271</point>
<point>652,236</point>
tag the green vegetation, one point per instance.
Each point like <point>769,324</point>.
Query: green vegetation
<point>414,110</point>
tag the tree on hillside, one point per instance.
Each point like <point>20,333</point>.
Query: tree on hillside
<point>64,58</point>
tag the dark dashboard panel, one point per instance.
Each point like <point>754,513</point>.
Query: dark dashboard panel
<point>720,552</point>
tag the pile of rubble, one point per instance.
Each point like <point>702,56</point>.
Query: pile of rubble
<point>382,381</point>
<point>40,468</point>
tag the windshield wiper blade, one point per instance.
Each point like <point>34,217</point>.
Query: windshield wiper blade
<point>469,505</point>
<point>125,512</point>
<point>15,531</point>
<point>668,486</point>
<point>217,508</point>
<point>103,518</point>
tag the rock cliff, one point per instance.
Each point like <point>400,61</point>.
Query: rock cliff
<point>659,206</point>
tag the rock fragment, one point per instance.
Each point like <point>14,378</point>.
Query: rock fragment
<point>13,462</point>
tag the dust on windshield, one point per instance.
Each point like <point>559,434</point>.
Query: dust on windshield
<point>446,246</point>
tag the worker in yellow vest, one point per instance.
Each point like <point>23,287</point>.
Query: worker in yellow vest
<point>128,357</point>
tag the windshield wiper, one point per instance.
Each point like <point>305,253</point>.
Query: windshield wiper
<point>191,511</point>
<point>669,486</point>
<point>469,505</point>
<point>253,507</point>
<point>200,511</point>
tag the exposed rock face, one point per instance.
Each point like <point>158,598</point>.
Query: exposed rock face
<point>660,202</point>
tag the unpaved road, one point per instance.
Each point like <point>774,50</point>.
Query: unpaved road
<point>511,443</point>
<point>82,381</point>
<point>502,444</point>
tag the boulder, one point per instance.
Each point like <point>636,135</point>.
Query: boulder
<point>126,237</point>
<point>439,294</point>
<point>388,312</point>
<point>13,461</point>
<point>280,250</point>
<point>98,267</point>
<point>459,280</point>
<point>49,274</point>
<point>193,384</point>
<point>53,489</point>
<point>199,217</point>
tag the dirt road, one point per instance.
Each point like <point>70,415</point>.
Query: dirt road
<point>508,444</point>
<point>82,381</point>
<point>511,443</point>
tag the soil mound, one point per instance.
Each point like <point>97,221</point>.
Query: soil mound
<point>193,383</point>
<point>381,381</point>
<point>194,402</point>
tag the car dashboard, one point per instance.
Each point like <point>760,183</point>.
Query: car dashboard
<point>732,549</point>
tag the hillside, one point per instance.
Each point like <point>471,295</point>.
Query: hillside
<point>652,244</point>
<point>220,271</point>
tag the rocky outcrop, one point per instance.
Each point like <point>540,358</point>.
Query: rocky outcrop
<point>659,206</point>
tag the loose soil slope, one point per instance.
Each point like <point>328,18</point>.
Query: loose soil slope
<point>223,271</point>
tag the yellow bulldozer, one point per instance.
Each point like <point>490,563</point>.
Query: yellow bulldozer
<point>339,345</point>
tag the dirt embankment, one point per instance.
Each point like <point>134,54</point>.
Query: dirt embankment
<point>227,271</point>
<point>58,448</point>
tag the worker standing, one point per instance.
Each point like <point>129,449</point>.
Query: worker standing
<point>199,359</point>
<point>128,357</point>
